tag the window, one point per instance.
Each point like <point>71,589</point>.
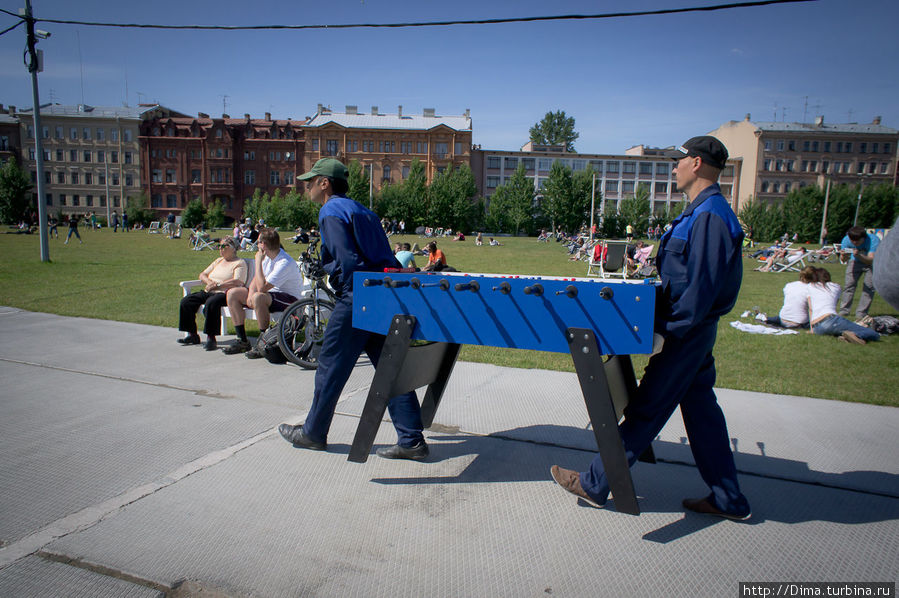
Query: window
<point>198,155</point>
<point>779,165</point>
<point>171,201</point>
<point>115,201</point>
<point>101,135</point>
<point>390,147</point>
<point>246,155</point>
<point>274,178</point>
<point>611,186</point>
<point>59,132</point>
<point>861,168</point>
<point>628,168</point>
<point>825,167</point>
<point>765,186</point>
<point>368,145</point>
<point>49,198</point>
<point>386,173</point>
<point>60,178</point>
<point>87,156</point>
<point>806,146</point>
<point>101,179</point>
<point>884,168</point>
<point>791,145</point>
<point>76,201</point>
<point>195,176</point>
<point>59,155</point>
<point>88,178</point>
<point>73,133</point>
<point>351,146</point>
<point>627,187</point>
<point>776,188</point>
<point>114,135</point>
<point>101,156</point>
<point>33,177</point>
<point>31,154</point>
<point>494,162</point>
<point>102,201</point>
<point>827,146</point>
<point>646,167</point>
<point>48,178</point>
<point>170,175</point>
<point>661,188</point>
<point>89,201</point>
<point>768,146</point>
<point>789,164</point>
<point>126,135</point>
<point>156,176</point>
<point>331,147</point>
<point>45,132</point>
<point>115,179</point>
<point>528,163</point>
<point>218,133</point>
<point>863,148</point>
<point>405,172</point>
<point>813,166</point>
<point>440,149</point>
<point>780,145</point>
<point>728,171</point>
<point>839,147</point>
<point>457,148</point>
<point>288,177</point>
<point>29,131</point>
<point>422,147</point>
<point>114,157</point>
<point>887,147</point>
<point>73,155</point>
<point>315,145</point>
<point>171,153</point>
<point>848,147</point>
<point>492,182</point>
<point>511,163</point>
<point>872,166</point>
<point>86,133</point>
<point>662,168</point>
<point>815,146</point>
<point>74,178</point>
<point>612,168</point>
<point>545,164</point>
<point>405,147</point>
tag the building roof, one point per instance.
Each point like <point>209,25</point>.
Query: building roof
<point>87,111</point>
<point>390,121</point>
<point>785,127</point>
<point>6,118</point>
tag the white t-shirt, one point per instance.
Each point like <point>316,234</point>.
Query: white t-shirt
<point>795,308</point>
<point>283,274</point>
<point>823,298</point>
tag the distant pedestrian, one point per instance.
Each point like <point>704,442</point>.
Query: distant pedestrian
<point>115,221</point>
<point>124,222</point>
<point>73,229</point>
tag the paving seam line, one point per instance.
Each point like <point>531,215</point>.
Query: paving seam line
<point>90,516</point>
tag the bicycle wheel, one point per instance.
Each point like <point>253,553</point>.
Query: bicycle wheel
<point>300,332</point>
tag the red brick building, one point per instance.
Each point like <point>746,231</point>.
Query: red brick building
<point>223,159</point>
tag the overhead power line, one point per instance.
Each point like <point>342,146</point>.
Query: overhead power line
<point>614,15</point>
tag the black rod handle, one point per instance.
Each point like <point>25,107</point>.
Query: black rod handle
<point>472,286</point>
<point>570,291</point>
<point>534,289</point>
<point>504,287</point>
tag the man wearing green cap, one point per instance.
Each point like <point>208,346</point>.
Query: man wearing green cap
<point>352,239</point>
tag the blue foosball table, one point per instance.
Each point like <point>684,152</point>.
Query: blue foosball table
<point>599,322</point>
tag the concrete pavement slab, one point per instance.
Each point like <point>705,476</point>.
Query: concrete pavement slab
<point>35,577</point>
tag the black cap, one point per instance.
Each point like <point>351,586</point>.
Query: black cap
<point>709,148</point>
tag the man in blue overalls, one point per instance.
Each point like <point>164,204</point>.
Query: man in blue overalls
<point>352,239</point>
<point>700,265</point>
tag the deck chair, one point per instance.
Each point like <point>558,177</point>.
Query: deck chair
<point>154,228</point>
<point>201,240</point>
<point>609,259</point>
<point>793,263</point>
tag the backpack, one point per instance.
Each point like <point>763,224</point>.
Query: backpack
<point>268,346</point>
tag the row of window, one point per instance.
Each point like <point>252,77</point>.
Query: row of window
<point>86,133</point>
<point>840,147</point>
<point>251,134</point>
<point>609,166</point>
<point>84,156</point>
<point>84,178</point>
<point>332,147</point>
<point>827,167</point>
<point>75,200</point>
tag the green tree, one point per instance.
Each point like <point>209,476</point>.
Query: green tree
<point>636,210</point>
<point>555,129</point>
<point>215,215</point>
<point>15,196</point>
<point>564,202</point>
<point>413,201</point>
<point>449,198</point>
<point>138,212</point>
<point>359,183</point>
<point>253,206</point>
<point>878,206</point>
<point>194,213</point>
<point>512,204</point>
<point>612,226</point>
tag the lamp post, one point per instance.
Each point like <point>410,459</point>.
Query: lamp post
<point>861,186</point>
<point>35,60</point>
<point>824,216</point>
<point>592,205</point>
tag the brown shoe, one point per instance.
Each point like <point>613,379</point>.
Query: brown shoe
<point>851,337</point>
<point>702,505</point>
<point>571,481</point>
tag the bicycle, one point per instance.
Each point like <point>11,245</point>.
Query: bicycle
<point>302,325</point>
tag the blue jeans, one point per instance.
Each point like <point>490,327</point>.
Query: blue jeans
<point>341,348</point>
<point>835,325</point>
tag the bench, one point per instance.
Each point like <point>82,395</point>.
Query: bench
<point>188,286</point>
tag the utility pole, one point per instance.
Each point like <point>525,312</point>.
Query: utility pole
<point>824,217</point>
<point>35,59</point>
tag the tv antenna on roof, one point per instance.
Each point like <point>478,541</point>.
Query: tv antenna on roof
<point>224,103</point>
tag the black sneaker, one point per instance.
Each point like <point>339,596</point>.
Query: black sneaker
<point>238,347</point>
<point>254,353</point>
<point>191,339</point>
<point>416,453</point>
<point>210,344</point>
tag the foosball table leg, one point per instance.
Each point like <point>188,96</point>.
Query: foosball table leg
<point>390,364</point>
<point>601,410</point>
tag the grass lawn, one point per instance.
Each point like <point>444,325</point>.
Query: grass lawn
<point>134,277</point>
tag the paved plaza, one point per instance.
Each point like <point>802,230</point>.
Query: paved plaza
<point>132,466</point>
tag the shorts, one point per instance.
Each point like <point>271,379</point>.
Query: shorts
<point>280,301</point>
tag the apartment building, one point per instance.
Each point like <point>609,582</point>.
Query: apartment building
<point>617,176</point>
<point>224,159</point>
<point>91,154</point>
<point>780,156</point>
<point>10,146</point>
<point>388,143</point>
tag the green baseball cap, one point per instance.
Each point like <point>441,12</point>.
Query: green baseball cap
<point>329,167</point>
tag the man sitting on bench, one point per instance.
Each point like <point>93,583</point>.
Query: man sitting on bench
<point>276,284</point>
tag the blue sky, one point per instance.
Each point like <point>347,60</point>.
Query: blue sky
<point>654,80</point>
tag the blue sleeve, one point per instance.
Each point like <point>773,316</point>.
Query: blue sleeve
<point>846,244</point>
<point>338,248</point>
<point>875,241</point>
<point>707,272</point>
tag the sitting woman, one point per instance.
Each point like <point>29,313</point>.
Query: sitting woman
<point>823,295</point>
<point>436,259</point>
<point>226,272</point>
<point>794,313</point>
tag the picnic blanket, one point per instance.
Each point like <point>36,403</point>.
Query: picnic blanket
<point>760,329</point>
